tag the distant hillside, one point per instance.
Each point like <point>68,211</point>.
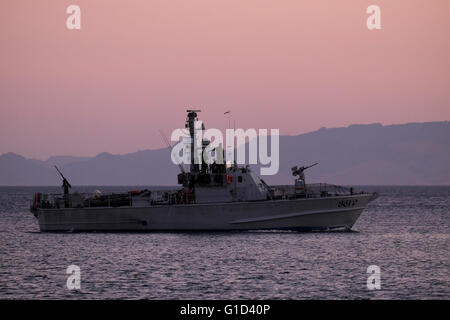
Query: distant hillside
<point>408,154</point>
<point>59,161</point>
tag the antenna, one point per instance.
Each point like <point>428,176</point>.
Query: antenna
<point>229,114</point>
<point>236,146</point>
<point>227,147</point>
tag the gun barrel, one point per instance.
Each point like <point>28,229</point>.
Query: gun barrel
<point>60,173</point>
<point>310,166</point>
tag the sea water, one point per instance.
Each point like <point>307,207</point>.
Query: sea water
<point>405,232</point>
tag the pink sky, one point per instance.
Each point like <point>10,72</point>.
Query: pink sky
<point>135,66</point>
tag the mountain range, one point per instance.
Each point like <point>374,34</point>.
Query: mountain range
<point>374,154</point>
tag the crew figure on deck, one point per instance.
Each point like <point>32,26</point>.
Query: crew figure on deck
<point>66,186</point>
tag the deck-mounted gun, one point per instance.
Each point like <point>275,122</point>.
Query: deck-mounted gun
<point>300,182</point>
<point>299,171</point>
<point>66,185</point>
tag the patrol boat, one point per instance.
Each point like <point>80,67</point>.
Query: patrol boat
<point>216,197</point>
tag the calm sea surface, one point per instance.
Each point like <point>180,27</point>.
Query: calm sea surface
<point>406,232</point>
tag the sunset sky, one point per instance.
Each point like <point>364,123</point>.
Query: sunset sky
<point>136,65</point>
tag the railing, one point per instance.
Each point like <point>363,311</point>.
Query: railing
<point>311,190</point>
<point>324,189</point>
<point>88,200</point>
<point>161,197</point>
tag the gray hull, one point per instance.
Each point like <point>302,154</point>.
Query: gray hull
<point>298,214</point>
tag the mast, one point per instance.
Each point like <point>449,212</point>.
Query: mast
<point>190,123</point>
